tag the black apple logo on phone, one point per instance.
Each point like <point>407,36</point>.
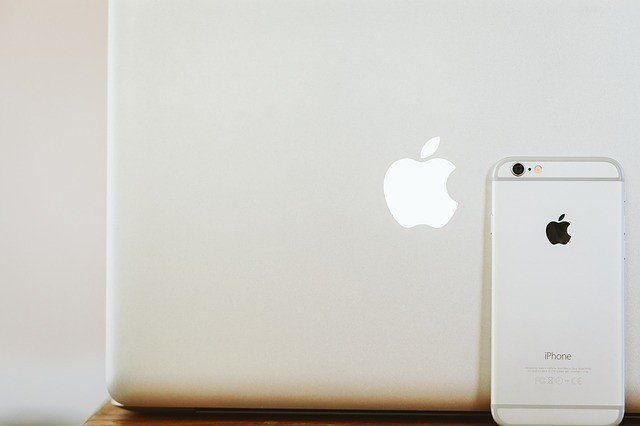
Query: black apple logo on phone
<point>557,231</point>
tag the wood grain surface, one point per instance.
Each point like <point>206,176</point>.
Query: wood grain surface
<point>110,414</point>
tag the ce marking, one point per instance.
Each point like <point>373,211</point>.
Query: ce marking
<point>558,380</point>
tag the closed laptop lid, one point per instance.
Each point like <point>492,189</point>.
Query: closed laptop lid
<point>298,191</point>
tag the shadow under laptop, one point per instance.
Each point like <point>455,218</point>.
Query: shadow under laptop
<point>111,414</point>
<point>298,417</point>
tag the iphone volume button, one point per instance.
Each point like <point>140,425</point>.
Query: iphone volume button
<point>491,224</point>
<point>624,237</point>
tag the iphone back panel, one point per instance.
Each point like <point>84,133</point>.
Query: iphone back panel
<point>558,291</point>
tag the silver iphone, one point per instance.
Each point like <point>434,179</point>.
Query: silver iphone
<point>557,291</point>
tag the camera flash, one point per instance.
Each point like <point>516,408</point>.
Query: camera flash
<point>537,169</point>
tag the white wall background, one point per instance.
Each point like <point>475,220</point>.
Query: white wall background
<point>52,209</point>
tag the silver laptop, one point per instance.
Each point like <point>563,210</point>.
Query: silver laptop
<point>298,190</point>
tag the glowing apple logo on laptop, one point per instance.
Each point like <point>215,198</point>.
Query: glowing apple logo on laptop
<point>416,191</point>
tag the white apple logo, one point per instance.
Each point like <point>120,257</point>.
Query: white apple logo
<point>416,192</point>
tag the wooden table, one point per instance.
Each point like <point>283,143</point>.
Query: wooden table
<point>109,415</point>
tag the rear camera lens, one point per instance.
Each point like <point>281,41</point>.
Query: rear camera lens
<point>517,169</point>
